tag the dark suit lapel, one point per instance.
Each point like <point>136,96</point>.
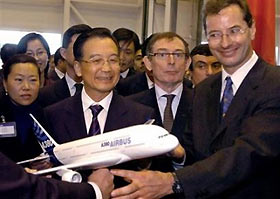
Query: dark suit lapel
<point>213,105</point>
<point>74,110</point>
<point>61,89</point>
<point>239,103</point>
<point>183,112</point>
<point>154,104</point>
<point>115,114</point>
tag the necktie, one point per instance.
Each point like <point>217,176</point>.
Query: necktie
<point>168,116</point>
<point>79,88</point>
<point>94,127</point>
<point>227,96</point>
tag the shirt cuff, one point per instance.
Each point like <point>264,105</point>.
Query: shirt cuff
<point>180,165</point>
<point>97,190</point>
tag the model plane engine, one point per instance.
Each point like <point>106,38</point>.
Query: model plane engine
<point>70,176</point>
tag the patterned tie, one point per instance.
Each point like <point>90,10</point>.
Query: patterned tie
<point>227,96</point>
<point>94,127</point>
<point>168,116</point>
<point>79,88</point>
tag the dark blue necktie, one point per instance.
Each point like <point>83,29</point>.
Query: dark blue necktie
<point>227,96</point>
<point>79,88</point>
<point>94,127</point>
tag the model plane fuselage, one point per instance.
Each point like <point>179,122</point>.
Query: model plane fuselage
<point>130,143</point>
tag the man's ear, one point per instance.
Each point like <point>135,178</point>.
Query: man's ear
<point>253,30</point>
<point>188,63</point>
<point>63,52</point>
<point>147,63</point>
<point>77,68</point>
<point>5,85</point>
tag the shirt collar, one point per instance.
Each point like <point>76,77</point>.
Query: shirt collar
<point>124,74</point>
<point>87,101</point>
<point>238,76</point>
<point>59,73</point>
<point>177,92</point>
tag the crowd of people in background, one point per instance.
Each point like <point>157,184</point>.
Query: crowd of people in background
<point>220,100</point>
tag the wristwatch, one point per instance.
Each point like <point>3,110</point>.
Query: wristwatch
<point>177,187</point>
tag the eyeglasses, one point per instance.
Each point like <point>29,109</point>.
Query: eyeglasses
<point>37,54</point>
<point>112,61</point>
<point>165,55</point>
<point>233,33</point>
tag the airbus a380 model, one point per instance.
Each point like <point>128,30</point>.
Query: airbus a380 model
<point>108,149</point>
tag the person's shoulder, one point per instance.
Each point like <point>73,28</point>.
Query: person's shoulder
<point>58,106</point>
<point>140,95</point>
<point>134,105</point>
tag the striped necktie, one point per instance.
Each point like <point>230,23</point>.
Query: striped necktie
<point>227,96</point>
<point>94,127</point>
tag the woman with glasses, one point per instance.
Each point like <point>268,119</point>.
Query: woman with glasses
<point>36,46</point>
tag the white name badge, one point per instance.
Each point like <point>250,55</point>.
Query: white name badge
<point>8,129</point>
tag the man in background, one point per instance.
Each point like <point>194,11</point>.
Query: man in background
<point>71,83</point>
<point>59,67</point>
<point>203,64</point>
<point>128,42</point>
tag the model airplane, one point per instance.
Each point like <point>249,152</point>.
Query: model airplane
<point>108,149</point>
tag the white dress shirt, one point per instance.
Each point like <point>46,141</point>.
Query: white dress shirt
<point>163,100</point>
<point>102,116</point>
<point>238,76</point>
<point>59,73</point>
<point>149,82</point>
<point>124,74</point>
<point>71,84</point>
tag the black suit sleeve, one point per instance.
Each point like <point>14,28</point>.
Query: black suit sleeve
<point>16,183</point>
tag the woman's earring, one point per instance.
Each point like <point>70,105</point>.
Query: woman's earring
<point>6,92</point>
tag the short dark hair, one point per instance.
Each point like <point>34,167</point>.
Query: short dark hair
<point>22,44</point>
<point>57,56</point>
<point>94,33</point>
<point>124,34</point>
<point>145,43</point>
<point>201,49</point>
<point>213,7</point>
<point>16,59</point>
<point>73,30</point>
<point>7,51</point>
<point>168,36</point>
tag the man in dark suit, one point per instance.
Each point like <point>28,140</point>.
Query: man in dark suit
<point>70,83</point>
<point>236,120</point>
<point>128,42</point>
<point>59,67</point>
<point>140,81</point>
<point>97,62</point>
<point>168,58</point>
<point>16,183</point>
<point>71,119</point>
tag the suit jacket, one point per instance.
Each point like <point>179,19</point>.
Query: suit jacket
<point>16,183</point>
<point>67,123</point>
<point>133,84</point>
<point>53,76</point>
<point>54,93</point>
<point>237,156</point>
<point>181,121</point>
<point>182,116</point>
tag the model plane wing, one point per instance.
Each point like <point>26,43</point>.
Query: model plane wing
<point>39,158</point>
<point>97,162</point>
